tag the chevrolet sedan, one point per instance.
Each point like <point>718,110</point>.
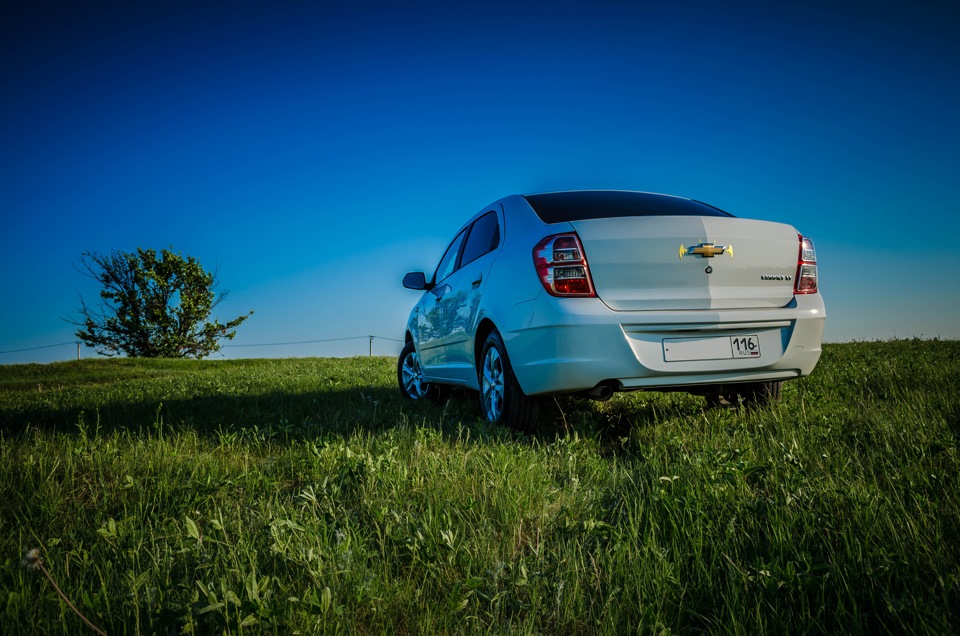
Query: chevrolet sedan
<point>596,292</point>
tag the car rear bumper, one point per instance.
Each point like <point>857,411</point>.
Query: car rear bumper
<point>570,345</point>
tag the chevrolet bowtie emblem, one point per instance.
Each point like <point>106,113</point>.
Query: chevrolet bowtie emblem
<point>706,249</point>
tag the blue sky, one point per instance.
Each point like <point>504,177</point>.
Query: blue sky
<point>314,153</point>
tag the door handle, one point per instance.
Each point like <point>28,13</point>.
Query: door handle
<point>476,283</point>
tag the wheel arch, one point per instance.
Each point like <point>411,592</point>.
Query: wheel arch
<point>484,329</point>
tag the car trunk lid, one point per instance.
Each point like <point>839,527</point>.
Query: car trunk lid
<point>690,262</point>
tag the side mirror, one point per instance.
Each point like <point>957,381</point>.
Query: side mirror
<point>416,281</point>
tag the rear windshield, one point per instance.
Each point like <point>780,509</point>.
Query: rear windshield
<point>560,207</point>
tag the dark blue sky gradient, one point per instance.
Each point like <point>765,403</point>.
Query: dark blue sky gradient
<point>316,152</point>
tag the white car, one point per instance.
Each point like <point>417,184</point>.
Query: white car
<point>594,292</point>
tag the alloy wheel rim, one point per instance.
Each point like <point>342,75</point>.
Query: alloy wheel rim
<point>413,382</point>
<point>492,384</point>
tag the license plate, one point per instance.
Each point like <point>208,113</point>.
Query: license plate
<point>715,348</point>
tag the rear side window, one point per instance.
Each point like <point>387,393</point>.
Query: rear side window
<point>484,238</point>
<point>560,207</point>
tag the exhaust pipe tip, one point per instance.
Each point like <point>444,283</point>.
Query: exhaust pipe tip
<point>602,392</point>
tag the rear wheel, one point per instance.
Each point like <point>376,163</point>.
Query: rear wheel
<point>765,393</point>
<point>410,374</point>
<point>501,398</point>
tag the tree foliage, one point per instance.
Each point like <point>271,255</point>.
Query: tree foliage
<point>152,306</point>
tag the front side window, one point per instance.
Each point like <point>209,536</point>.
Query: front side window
<point>449,261</point>
<point>484,238</point>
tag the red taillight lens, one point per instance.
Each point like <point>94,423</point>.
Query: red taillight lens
<point>562,266</point>
<point>806,268</point>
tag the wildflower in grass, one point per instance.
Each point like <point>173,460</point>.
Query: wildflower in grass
<point>31,560</point>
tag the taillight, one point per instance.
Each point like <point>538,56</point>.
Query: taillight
<point>806,268</point>
<point>562,266</point>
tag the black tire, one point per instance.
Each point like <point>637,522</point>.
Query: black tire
<point>764,393</point>
<point>502,401</point>
<point>410,374</point>
<point>752,395</point>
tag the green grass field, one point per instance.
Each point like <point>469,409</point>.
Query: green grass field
<point>302,495</point>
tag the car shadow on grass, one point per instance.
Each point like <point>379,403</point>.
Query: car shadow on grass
<point>334,411</point>
<point>276,413</point>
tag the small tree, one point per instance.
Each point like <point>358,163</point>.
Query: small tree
<point>152,307</point>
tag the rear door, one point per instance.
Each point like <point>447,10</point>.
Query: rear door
<point>467,284</point>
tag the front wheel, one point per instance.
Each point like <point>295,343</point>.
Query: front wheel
<point>501,398</point>
<point>410,374</point>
